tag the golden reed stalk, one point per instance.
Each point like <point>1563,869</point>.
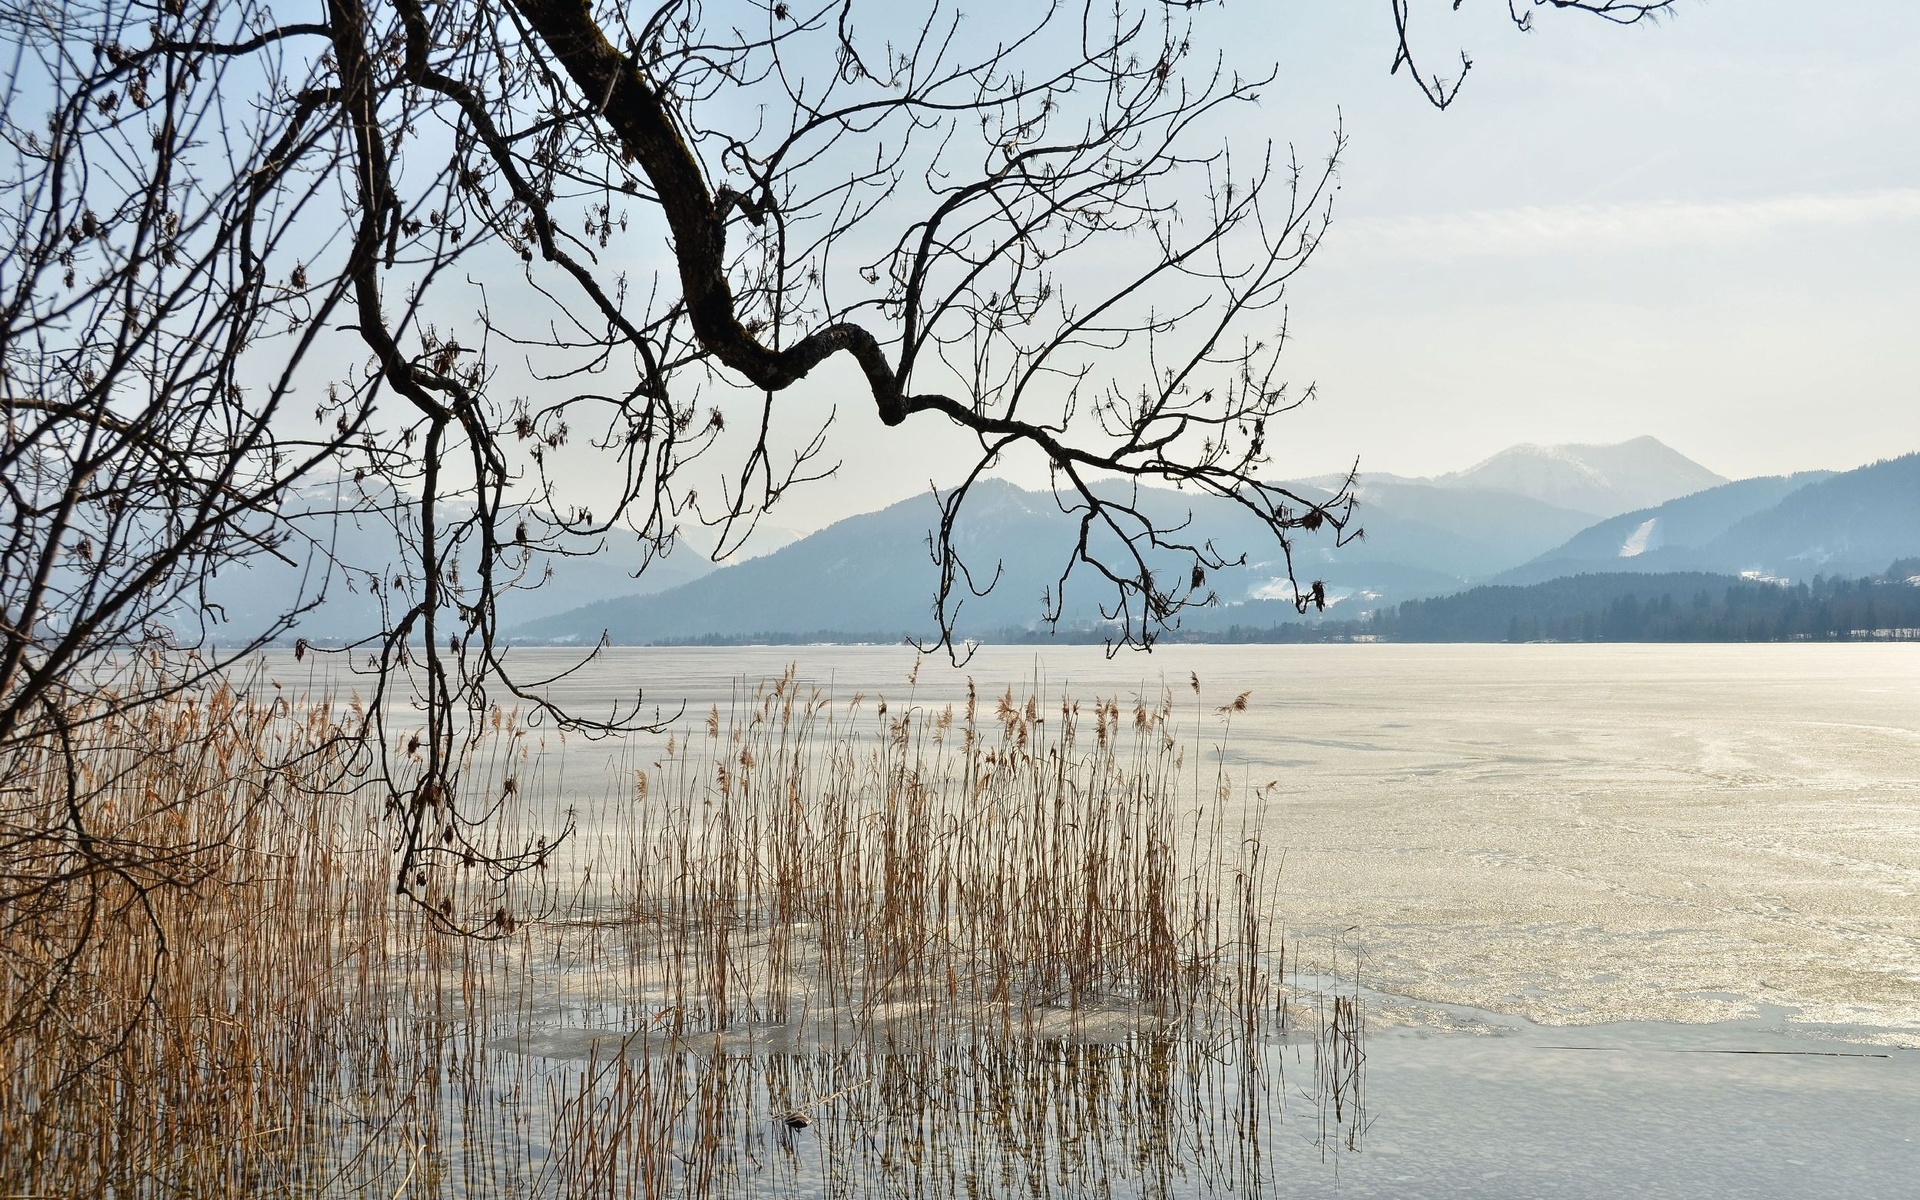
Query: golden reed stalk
<point>1006,947</point>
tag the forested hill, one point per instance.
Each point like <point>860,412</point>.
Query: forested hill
<point>1678,607</point>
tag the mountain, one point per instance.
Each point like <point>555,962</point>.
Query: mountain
<point>1457,532</point>
<point>343,541</point>
<point>1785,527</point>
<point>870,576</point>
<point>866,576</point>
<point>1601,480</point>
<point>1664,537</point>
<point>1850,524</point>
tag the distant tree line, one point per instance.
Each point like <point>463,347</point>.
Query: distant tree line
<point>1665,608</point>
<point>1677,607</point>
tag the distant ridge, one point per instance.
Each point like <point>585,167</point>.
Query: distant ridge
<point>1662,537</point>
<point>1785,527</point>
<point>1849,524</point>
<point>864,576</point>
<point>869,577</point>
<point>1601,480</point>
<point>352,525</point>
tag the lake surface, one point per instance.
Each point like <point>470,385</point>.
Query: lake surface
<point>1571,878</point>
<point>1568,833</point>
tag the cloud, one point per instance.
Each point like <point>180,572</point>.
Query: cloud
<point>1530,232</point>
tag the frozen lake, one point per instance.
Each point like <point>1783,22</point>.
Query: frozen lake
<point>1568,833</point>
<point>1573,878</point>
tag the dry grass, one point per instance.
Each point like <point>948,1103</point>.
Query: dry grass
<point>173,976</point>
<point>826,947</point>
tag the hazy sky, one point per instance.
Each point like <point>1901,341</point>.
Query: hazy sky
<point>1707,230</point>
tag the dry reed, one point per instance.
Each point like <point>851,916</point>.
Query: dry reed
<point>999,948</point>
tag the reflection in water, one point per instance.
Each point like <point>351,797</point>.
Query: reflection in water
<point>1154,1115</point>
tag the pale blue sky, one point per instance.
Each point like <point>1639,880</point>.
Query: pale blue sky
<point>1707,230</point>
